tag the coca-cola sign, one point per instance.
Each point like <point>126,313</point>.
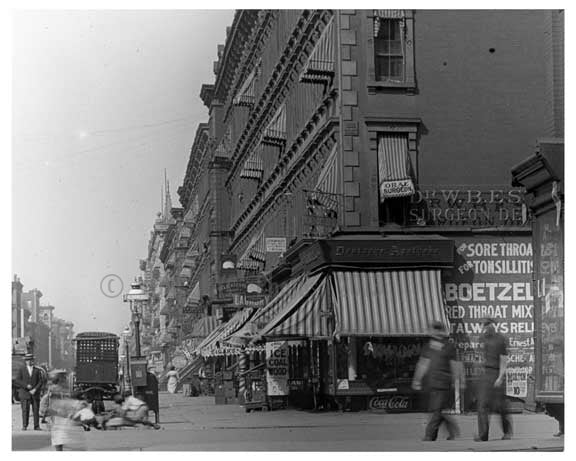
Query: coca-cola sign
<point>395,403</point>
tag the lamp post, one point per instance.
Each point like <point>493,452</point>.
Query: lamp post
<point>135,297</point>
<point>126,334</point>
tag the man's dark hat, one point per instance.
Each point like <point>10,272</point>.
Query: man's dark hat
<point>489,321</point>
<point>29,357</point>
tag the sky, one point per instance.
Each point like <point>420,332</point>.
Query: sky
<point>102,102</point>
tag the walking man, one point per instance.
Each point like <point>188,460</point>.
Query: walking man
<point>29,382</point>
<point>492,385</point>
<point>438,360</point>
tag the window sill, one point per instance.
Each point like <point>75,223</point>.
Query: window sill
<point>374,86</point>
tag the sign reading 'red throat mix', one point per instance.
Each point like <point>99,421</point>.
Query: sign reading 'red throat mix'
<point>493,278</point>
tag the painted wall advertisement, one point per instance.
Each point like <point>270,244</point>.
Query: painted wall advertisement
<point>277,367</point>
<point>493,278</point>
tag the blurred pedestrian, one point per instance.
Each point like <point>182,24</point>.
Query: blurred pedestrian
<point>492,383</point>
<point>66,429</point>
<point>438,363</point>
<point>172,380</point>
<point>29,382</point>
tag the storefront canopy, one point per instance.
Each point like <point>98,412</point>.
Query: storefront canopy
<point>306,315</point>
<point>216,344</point>
<point>387,303</point>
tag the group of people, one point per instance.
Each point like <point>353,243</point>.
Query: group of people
<point>439,367</point>
<point>50,396</point>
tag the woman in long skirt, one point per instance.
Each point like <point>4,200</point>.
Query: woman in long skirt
<point>172,380</point>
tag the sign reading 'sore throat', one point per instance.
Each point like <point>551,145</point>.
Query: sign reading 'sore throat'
<point>464,205</point>
<point>493,279</point>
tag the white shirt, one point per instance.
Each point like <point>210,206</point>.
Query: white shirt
<point>30,368</point>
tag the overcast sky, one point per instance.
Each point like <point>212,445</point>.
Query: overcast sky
<point>103,102</point>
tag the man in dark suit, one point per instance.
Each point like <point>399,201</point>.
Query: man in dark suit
<point>29,382</point>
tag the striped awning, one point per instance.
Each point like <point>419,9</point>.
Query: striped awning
<point>326,190</point>
<point>306,315</point>
<point>255,254</point>
<point>275,132</point>
<point>209,338</point>
<point>217,345</point>
<point>293,291</point>
<point>247,93</point>
<point>191,367</point>
<point>320,64</point>
<point>387,303</point>
<point>393,163</point>
<point>379,15</point>
<point>254,166</point>
<point>194,296</point>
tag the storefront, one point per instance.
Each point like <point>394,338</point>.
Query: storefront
<point>360,309</point>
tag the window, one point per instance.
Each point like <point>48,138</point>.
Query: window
<point>389,50</point>
<point>394,177</point>
<point>392,45</point>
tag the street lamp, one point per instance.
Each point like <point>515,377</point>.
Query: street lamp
<point>136,296</point>
<point>127,379</point>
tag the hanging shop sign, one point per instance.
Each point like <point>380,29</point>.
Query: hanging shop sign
<point>493,279</point>
<point>277,368</point>
<point>275,245</point>
<point>465,205</point>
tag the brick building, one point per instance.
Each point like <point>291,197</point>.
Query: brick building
<point>354,173</point>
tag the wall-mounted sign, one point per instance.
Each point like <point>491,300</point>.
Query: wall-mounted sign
<point>275,244</point>
<point>391,403</point>
<point>464,205</point>
<point>277,367</point>
<point>379,251</point>
<point>493,278</point>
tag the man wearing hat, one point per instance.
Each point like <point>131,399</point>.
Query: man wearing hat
<point>492,384</point>
<point>438,363</point>
<point>29,382</point>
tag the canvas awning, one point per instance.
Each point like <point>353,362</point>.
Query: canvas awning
<point>216,344</point>
<point>254,166</point>
<point>320,64</point>
<point>326,190</point>
<point>247,93</point>
<point>387,303</point>
<point>276,130</point>
<point>308,313</point>
<point>255,254</point>
<point>393,166</point>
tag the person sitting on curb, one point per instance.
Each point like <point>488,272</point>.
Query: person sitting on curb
<point>129,411</point>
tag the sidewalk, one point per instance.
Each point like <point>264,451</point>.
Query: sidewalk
<point>400,432</point>
<point>197,424</point>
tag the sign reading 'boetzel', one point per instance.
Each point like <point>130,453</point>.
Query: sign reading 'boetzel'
<point>468,206</point>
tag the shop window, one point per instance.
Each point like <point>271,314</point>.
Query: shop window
<point>388,361</point>
<point>392,45</point>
